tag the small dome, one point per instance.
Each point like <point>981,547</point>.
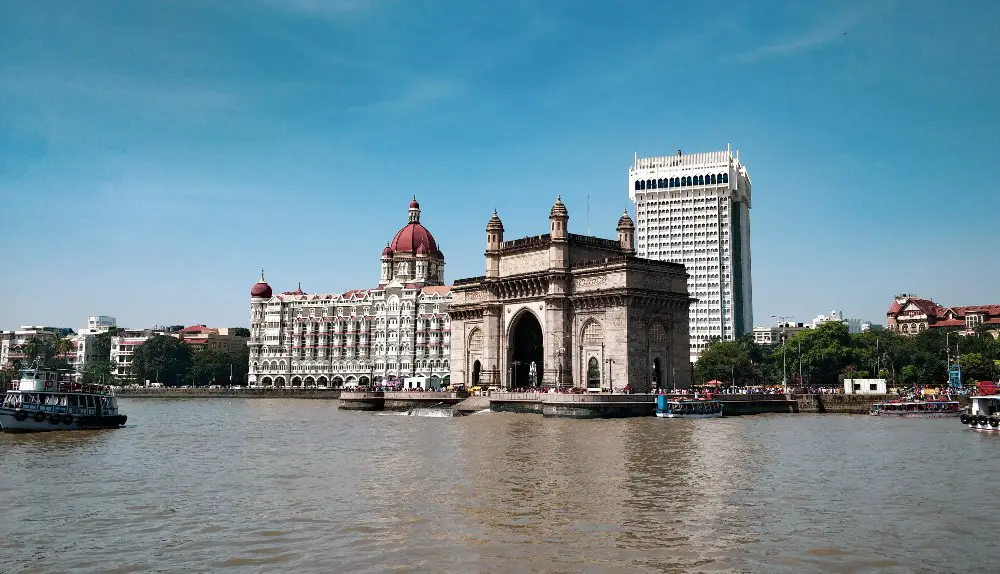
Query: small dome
<point>494,224</point>
<point>387,252</point>
<point>559,210</point>
<point>414,204</point>
<point>261,288</point>
<point>625,222</point>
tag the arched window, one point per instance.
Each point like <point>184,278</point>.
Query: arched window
<point>657,334</point>
<point>593,333</point>
<point>637,185</point>
<point>476,340</point>
<point>701,180</point>
<point>725,178</point>
<point>642,184</point>
<point>690,181</point>
<point>649,184</point>
<point>683,181</point>
<point>711,178</point>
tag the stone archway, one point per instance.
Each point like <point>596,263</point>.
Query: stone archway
<point>657,378</point>
<point>593,373</point>
<point>526,347</point>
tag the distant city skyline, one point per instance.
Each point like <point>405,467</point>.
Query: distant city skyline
<point>154,157</point>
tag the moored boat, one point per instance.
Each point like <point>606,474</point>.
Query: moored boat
<point>984,414</point>
<point>680,408</point>
<point>917,409</point>
<point>48,400</point>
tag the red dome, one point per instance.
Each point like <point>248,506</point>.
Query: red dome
<point>414,204</point>
<point>413,236</point>
<point>261,289</point>
<point>387,252</point>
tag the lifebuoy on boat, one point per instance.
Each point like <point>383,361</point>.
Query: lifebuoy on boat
<point>20,415</point>
<point>994,422</point>
<point>67,419</point>
<point>982,419</point>
<point>39,417</point>
<point>964,418</point>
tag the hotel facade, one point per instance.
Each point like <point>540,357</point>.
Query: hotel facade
<point>396,330</point>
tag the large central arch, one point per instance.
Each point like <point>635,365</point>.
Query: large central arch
<point>526,347</point>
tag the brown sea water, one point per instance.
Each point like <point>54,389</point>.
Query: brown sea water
<point>285,485</point>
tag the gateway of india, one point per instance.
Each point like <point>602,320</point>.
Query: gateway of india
<point>567,310</point>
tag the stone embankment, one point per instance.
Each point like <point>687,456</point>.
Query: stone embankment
<point>397,400</point>
<point>243,393</point>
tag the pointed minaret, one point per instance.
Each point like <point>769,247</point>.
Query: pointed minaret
<point>626,234</point>
<point>494,239</point>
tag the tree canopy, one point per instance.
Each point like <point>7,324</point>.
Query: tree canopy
<point>829,353</point>
<point>162,359</point>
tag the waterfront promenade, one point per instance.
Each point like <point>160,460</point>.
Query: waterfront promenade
<point>557,405</point>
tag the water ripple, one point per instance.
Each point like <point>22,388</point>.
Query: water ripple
<point>284,485</point>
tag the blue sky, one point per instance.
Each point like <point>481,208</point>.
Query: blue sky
<point>154,156</point>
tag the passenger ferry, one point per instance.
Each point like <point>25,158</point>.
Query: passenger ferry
<point>916,409</point>
<point>985,413</point>
<point>678,408</point>
<point>48,400</point>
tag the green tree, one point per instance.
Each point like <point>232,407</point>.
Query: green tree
<point>909,375</point>
<point>211,367</point>
<point>99,372</point>
<point>162,359</point>
<point>241,366</point>
<point>976,367</point>
<point>48,349</point>
<point>240,331</point>
<point>825,352</point>
<point>727,361</point>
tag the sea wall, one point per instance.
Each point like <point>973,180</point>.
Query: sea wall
<point>844,403</point>
<point>397,400</point>
<point>244,393</point>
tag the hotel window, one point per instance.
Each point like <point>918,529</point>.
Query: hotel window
<point>972,321</point>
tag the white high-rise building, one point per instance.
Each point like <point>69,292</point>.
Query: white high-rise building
<point>695,209</point>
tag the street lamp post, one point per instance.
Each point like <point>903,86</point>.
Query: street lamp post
<point>782,323</point>
<point>559,353</point>
<point>611,384</point>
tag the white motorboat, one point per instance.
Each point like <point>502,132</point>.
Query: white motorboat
<point>680,408</point>
<point>48,400</point>
<point>984,414</point>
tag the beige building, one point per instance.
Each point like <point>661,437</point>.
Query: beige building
<point>218,339</point>
<point>571,311</point>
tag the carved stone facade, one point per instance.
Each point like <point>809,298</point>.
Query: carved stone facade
<point>570,311</point>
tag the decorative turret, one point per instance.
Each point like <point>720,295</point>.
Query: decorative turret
<point>494,239</point>
<point>414,211</point>
<point>626,234</point>
<point>386,275</point>
<point>559,247</point>
<point>558,218</point>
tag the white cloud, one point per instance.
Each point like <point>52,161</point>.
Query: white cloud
<point>829,31</point>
